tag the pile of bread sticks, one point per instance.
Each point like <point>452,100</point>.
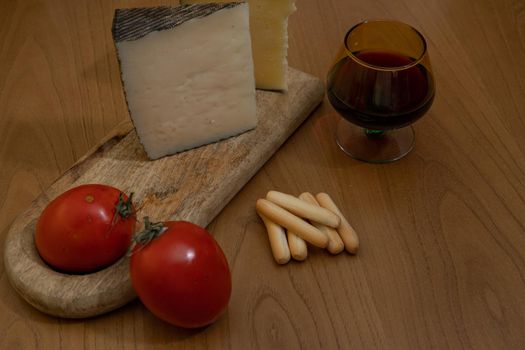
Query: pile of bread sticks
<point>291,222</point>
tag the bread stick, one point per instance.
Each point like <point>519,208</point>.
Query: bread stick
<point>303,209</point>
<point>335,244</point>
<point>278,243</point>
<point>291,222</point>
<point>347,233</point>
<point>297,246</point>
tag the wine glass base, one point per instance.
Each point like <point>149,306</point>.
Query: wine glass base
<point>374,146</point>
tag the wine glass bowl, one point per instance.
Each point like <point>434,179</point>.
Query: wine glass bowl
<point>380,82</point>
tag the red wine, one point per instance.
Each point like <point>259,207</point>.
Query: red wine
<point>375,96</point>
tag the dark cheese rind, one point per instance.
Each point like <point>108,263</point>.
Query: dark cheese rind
<point>134,23</point>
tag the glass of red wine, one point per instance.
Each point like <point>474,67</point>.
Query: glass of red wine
<point>380,83</point>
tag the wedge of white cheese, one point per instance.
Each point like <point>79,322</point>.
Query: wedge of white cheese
<point>269,30</point>
<point>187,73</point>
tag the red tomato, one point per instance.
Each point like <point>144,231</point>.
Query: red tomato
<point>182,276</point>
<point>85,229</point>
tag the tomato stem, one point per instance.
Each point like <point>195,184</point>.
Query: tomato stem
<point>151,231</point>
<point>124,208</point>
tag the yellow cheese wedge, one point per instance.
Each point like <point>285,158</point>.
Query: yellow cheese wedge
<point>269,32</point>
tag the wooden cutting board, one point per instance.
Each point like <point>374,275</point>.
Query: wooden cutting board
<point>194,185</point>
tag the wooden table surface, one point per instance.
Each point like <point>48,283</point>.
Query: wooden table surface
<point>442,259</point>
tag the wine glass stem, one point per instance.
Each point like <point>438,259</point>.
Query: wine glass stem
<point>374,133</point>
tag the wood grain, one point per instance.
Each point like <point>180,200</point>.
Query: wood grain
<point>192,186</point>
<point>442,232</point>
